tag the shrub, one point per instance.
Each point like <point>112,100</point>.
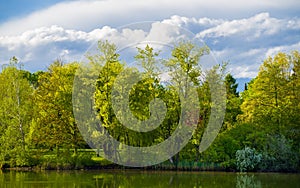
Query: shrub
<point>278,155</point>
<point>247,159</point>
<point>83,159</point>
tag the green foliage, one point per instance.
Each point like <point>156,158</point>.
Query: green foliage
<point>247,159</point>
<point>67,159</point>
<point>54,125</point>
<point>147,59</point>
<point>272,99</point>
<point>278,155</point>
<point>15,115</point>
<point>231,85</point>
<point>261,129</point>
<point>272,103</point>
<point>233,103</point>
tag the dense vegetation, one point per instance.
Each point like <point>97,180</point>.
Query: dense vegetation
<point>260,131</point>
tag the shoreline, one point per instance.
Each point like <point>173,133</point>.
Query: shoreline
<point>116,168</point>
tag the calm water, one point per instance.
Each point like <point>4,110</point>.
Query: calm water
<point>145,179</point>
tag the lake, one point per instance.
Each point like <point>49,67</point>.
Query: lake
<point>135,178</point>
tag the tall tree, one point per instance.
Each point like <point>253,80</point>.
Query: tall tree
<point>294,99</point>
<point>55,125</point>
<point>185,73</point>
<point>109,66</point>
<point>15,114</point>
<point>267,100</point>
<point>233,102</point>
<point>272,99</point>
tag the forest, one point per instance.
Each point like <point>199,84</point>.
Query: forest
<point>260,129</point>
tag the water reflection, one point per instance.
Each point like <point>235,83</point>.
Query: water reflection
<point>131,178</point>
<point>247,181</point>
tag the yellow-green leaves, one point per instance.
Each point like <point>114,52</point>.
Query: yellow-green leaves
<point>271,100</point>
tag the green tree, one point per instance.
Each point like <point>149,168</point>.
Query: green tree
<point>293,132</point>
<point>147,58</point>
<point>54,125</point>
<point>15,114</point>
<point>267,101</point>
<point>185,74</point>
<point>271,102</point>
<point>107,62</point>
<point>233,102</point>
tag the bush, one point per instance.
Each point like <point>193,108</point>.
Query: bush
<point>83,159</point>
<point>247,159</point>
<point>68,160</point>
<point>278,155</point>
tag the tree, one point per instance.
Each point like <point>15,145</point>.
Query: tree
<point>233,102</point>
<point>294,104</point>
<point>185,73</point>
<point>271,102</point>
<point>55,125</point>
<point>267,101</point>
<point>108,65</point>
<point>231,85</point>
<point>15,114</point>
<point>147,59</point>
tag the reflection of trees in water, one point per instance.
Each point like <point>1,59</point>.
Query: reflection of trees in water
<point>152,179</point>
<point>137,178</point>
<point>247,181</point>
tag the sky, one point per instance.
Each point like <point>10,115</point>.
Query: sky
<point>242,33</point>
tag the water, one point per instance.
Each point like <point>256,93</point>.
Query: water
<point>133,178</point>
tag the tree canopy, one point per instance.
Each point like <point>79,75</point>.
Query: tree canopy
<point>260,130</point>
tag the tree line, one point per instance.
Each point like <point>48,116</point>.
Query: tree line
<point>260,131</point>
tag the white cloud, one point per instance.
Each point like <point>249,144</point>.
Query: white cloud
<point>283,48</point>
<point>245,43</point>
<point>163,32</point>
<point>245,63</point>
<point>46,35</point>
<point>45,44</point>
<point>244,71</point>
<point>185,21</point>
<point>241,64</point>
<point>178,20</point>
<point>91,14</point>
<point>251,28</point>
<point>37,48</point>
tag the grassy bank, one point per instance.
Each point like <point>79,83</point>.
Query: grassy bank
<point>88,159</point>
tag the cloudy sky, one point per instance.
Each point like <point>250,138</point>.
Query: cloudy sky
<point>241,32</point>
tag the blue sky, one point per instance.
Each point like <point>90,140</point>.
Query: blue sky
<point>16,8</point>
<point>243,33</point>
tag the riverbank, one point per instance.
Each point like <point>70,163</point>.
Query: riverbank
<point>208,167</point>
<point>87,159</point>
